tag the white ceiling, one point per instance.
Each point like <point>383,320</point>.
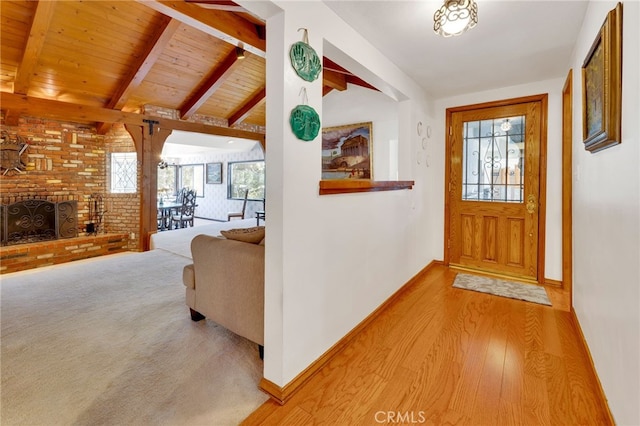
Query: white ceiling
<point>515,42</point>
<point>183,144</point>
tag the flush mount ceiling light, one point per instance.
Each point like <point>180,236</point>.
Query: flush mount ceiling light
<point>455,17</point>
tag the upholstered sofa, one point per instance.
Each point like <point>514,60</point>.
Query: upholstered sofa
<point>225,284</point>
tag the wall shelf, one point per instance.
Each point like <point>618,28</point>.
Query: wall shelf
<point>346,186</point>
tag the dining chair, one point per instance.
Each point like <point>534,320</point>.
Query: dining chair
<point>186,213</point>
<point>244,207</point>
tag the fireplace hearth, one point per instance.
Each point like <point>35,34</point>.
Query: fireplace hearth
<point>33,220</point>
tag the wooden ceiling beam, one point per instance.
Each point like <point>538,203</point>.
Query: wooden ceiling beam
<point>212,83</point>
<point>328,66</point>
<point>228,6</point>
<point>223,25</point>
<point>40,22</point>
<point>37,34</point>
<point>38,107</point>
<point>245,109</point>
<point>334,79</point>
<point>165,30</point>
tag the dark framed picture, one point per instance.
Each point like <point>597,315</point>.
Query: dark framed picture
<point>602,86</point>
<point>214,172</point>
<point>347,151</point>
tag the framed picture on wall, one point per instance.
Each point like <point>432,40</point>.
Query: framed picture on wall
<point>602,86</point>
<point>214,172</point>
<point>347,152</point>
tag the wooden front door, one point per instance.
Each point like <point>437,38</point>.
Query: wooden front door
<point>495,192</point>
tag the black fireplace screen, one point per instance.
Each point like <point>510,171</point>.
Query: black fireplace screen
<point>35,220</point>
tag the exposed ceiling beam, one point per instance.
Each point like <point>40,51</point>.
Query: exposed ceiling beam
<point>334,79</point>
<point>213,82</point>
<point>226,26</point>
<point>329,66</point>
<point>245,109</point>
<point>38,107</point>
<point>229,6</point>
<point>37,35</point>
<point>165,30</point>
<point>326,90</point>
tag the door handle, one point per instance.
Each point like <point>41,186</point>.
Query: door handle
<point>531,204</point>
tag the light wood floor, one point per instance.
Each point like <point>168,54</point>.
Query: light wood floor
<point>441,355</point>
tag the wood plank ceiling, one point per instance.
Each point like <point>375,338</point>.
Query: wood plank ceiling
<point>123,55</point>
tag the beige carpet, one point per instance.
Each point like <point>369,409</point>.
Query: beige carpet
<point>497,287</point>
<point>178,241</point>
<point>110,342</point>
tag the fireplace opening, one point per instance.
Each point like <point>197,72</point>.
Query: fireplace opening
<point>33,220</point>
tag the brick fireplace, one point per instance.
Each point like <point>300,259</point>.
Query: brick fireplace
<point>66,164</point>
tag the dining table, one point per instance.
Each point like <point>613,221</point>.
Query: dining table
<point>165,210</point>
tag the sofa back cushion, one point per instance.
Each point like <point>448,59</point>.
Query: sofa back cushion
<point>248,235</point>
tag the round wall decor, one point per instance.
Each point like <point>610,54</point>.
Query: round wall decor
<point>304,58</point>
<point>304,122</point>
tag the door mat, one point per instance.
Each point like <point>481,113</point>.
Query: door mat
<point>513,290</point>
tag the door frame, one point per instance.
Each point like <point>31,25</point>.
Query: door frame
<point>542,197</point>
<point>567,188</point>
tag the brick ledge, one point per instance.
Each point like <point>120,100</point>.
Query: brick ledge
<point>21,257</point>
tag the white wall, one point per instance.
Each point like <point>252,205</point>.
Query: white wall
<point>606,225</point>
<point>553,235</point>
<point>331,260</point>
<point>215,204</point>
<point>357,105</point>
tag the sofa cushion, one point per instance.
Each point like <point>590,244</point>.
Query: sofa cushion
<point>248,235</point>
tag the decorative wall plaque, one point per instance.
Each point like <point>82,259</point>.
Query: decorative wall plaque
<point>305,122</point>
<point>304,59</point>
<point>11,153</point>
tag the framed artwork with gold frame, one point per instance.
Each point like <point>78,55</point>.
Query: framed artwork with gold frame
<point>347,151</point>
<point>602,86</point>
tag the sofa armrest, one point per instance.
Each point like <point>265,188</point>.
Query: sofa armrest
<point>188,276</point>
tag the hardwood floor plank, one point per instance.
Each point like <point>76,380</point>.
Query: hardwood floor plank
<point>477,329</point>
<point>440,356</point>
<point>487,401</point>
<point>511,391</point>
<point>584,389</point>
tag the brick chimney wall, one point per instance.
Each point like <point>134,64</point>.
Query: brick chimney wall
<point>70,160</point>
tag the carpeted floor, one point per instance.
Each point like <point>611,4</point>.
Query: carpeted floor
<point>178,241</point>
<point>513,290</point>
<point>110,342</point>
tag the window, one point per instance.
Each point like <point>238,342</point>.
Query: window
<point>124,172</point>
<point>192,176</point>
<point>167,181</point>
<point>243,175</point>
<point>493,160</point>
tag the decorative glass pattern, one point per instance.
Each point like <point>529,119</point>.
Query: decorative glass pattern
<point>493,160</point>
<point>124,172</point>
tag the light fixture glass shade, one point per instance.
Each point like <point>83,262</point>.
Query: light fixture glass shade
<point>455,17</point>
